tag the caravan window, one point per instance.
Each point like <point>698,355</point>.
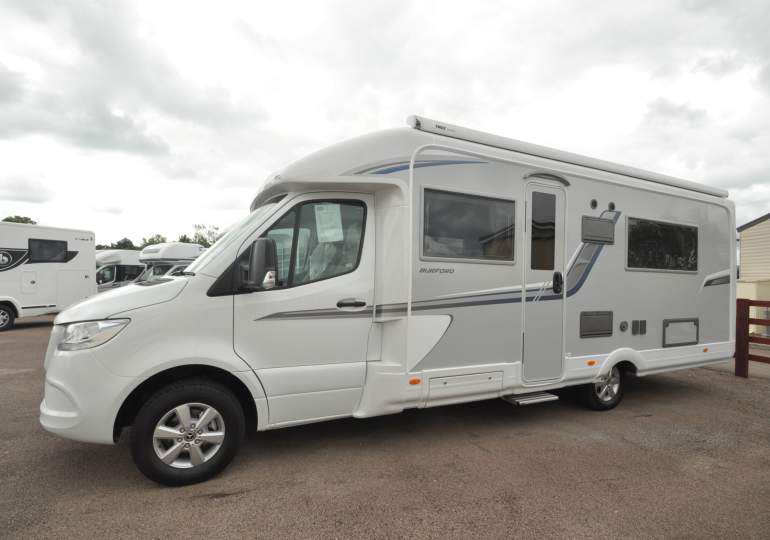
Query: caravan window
<point>41,251</point>
<point>656,245</point>
<point>459,226</point>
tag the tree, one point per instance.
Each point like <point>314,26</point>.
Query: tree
<point>123,243</point>
<point>186,239</point>
<point>154,239</point>
<point>20,219</point>
<point>206,235</point>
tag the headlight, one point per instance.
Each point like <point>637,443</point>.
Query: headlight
<point>85,335</point>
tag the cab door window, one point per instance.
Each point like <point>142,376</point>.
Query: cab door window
<point>106,274</point>
<point>318,240</point>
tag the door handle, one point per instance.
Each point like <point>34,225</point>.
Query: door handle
<point>351,303</point>
<point>558,282</point>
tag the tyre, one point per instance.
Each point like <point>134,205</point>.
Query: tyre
<point>606,393</point>
<point>187,432</point>
<point>7,317</point>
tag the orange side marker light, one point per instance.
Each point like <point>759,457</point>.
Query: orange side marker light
<point>414,381</point>
<point>591,362</point>
<point>705,349</point>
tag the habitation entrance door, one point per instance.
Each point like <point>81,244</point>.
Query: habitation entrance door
<point>543,294</point>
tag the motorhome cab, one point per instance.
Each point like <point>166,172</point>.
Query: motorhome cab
<point>408,268</point>
<point>166,258</point>
<point>116,267</point>
<point>43,270</point>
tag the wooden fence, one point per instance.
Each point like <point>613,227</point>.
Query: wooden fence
<point>742,338</point>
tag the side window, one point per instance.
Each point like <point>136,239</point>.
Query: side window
<point>132,272</point>
<point>655,245</point>
<point>459,226</point>
<point>158,271</point>
<point>543,232</point>
<point>106,274</point>
<point>318,240</point>
<point>41,251</point>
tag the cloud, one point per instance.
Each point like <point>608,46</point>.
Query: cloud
<point>10,85</point>
<point>116,210</point>
<point>664,111</point>
<point>24,190</point>
<point>172,99</point>
<point>112,66</point>
<point>719,65</point>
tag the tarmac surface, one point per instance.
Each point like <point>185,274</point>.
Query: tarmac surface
<point>685,455</point>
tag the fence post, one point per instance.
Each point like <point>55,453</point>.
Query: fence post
<point>742,338</point>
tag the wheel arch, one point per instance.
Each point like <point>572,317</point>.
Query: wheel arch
<point>628,360</point>
<point>143,391</point>
<point>10,302</point>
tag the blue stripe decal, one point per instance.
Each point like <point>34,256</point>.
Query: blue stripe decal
<point>402,166</point>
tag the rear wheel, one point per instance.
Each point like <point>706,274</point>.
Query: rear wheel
<point>7,317</point>
<point>187,432</point>
<point>605,393</point>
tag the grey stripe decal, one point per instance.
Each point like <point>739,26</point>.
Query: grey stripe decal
<point>578,272</point>
<point>317,314</point>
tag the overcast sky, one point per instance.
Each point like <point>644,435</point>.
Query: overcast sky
<point>131,119</point>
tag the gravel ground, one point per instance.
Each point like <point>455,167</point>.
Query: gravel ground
<point>685,455</point>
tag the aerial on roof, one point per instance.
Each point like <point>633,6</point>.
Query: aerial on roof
<point>753,222</point>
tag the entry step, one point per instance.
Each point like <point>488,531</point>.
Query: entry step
<point>530,399</point>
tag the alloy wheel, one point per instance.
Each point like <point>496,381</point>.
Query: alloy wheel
<point>188,435</point>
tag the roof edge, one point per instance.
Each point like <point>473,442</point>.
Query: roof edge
<point>471,135</point>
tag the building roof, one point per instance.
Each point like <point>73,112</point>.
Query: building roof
<point>757,221</point>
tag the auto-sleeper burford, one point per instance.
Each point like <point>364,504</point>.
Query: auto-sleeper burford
<point>407,268</point>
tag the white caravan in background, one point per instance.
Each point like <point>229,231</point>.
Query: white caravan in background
<point>43,270</point>
<point>407,268</point>
<point>116,267</point>
<point>168,258</point>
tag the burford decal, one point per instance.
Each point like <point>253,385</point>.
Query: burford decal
<point>434,270</point>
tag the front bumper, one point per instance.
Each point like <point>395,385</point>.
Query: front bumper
<point>82,397</point>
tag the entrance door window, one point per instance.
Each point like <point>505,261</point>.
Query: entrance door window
<point>543,230</point>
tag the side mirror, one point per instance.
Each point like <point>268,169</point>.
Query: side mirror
<point>263,265</point>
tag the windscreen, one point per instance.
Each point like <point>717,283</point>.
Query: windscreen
<point>249,222</point>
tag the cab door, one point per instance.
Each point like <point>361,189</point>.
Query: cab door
<point>543,294</point>
<point>307,337</point>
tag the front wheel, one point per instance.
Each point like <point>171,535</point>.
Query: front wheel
<point>605,393</point>
<point>187,432</point>
<point>7,317</point>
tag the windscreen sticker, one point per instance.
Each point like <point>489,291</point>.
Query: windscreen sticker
<point>328,220</point>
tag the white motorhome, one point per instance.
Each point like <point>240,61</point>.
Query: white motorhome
<point>167,258</point>
<point>43,270</point>
<point>116,267</point>
<point>408,268</point>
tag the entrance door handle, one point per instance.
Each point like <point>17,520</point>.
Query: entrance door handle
<point>347,303</point>
<point>558,282</point>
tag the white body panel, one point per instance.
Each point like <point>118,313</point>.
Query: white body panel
<point>56,274</point>
<point>430,328</point>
